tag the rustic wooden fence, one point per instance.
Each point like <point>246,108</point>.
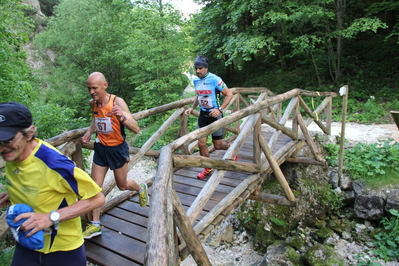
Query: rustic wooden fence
<point>246,112</point>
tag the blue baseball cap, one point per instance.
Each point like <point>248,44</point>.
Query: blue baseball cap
<point>13,117</point>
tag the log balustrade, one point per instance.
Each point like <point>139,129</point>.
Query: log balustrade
<point>173,233</point>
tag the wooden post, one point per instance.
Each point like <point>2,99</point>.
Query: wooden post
<point>193,244</point>
<point>313,116</point>
<point>343,91</point>
<point>309,139</point>
<point>183,130</point>
<point>329,114</point>
<point>159,238</point>
<point>295,126</point>
<point>77,156</point>
<point>256,146</point>
<point>3,225</point>
<point>276,169</point>
<point>283,120</point>
<point>235,109</point>
<point>318,110</point>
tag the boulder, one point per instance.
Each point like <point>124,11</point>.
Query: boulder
<point>280,254</point>
<point>369,207</point>
<point>321,255</point>
<point>392,201</point>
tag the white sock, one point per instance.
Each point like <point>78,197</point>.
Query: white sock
<point>96,223</point>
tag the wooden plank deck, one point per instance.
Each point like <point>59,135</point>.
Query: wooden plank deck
<point>123,241</point>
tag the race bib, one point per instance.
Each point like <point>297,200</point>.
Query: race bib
<point>103,125</point>
<point>205,101</point>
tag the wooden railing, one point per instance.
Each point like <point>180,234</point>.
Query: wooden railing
<point>166,210</point>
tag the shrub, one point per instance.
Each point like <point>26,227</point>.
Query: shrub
<point>388,239</point>
<point>372,161</point>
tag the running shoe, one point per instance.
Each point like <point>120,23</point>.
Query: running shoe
<point>92,231</point>
<point>143,195</point>
<point>206,173</point>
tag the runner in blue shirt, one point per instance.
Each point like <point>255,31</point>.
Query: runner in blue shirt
<point>208,87</point>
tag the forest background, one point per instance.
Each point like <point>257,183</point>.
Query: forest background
<point>144,47</point>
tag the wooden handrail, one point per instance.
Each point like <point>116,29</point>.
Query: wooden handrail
<point>165,207</point>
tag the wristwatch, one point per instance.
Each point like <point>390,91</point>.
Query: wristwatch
<point>221,109</point>
<point>55,218</point>
<point>123,119</point>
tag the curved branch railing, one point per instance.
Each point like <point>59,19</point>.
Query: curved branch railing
<point>166,210</point>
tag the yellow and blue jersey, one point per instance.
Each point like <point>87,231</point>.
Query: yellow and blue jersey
<point>47,180</point>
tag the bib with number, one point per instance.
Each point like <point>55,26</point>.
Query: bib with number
<point>103,125</point>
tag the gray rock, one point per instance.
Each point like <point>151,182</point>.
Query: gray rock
<point>281,255</point>
<point>345,182</point>
<point>392,201</point>
<point>369,207</point>
<point>334,179</point>
<point>357,187</point>
<point>321,255</point>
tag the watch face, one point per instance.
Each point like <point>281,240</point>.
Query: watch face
<point>54,216</point>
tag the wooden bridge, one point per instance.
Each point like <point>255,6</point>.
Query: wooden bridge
<point>184,210</point>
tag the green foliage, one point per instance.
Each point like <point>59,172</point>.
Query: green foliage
<point>2,182</point>
<point>150,126</point>
<point>305,44</point>
<point>6,254</point>
<point>388,240</point>
<point>14,72</point>
<point>332,201</point>
<point>52,119</point>
<point>138,47</point>
<point>375,163</point>
<point>277,221</point>
<point>362,25</point>
<point>332,150</point>
<point>369,112</point>
<point>362,261</point>
<point>368,162</point>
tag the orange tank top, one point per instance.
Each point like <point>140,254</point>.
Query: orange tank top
<point>110,132</point>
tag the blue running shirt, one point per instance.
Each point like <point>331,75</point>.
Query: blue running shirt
<point>207,89</point>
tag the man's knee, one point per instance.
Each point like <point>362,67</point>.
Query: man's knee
<point>122,187</point>
<point>218,144</point>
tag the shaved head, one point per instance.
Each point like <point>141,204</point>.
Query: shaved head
<point>97,76</point>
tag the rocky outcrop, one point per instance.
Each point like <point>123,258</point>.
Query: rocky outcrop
<point>332,210</point>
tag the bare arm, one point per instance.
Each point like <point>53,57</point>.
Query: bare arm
<point>40,221</point>
<point>121,109</point>
<point>190,110</point>
<point>228,95</point>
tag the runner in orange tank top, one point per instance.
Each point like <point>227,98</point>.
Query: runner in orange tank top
<point>111,116</point>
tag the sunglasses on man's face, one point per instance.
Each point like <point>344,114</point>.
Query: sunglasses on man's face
<point>10,141</point>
